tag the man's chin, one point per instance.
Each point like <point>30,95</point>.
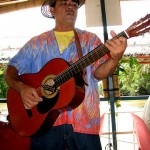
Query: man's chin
<point>70,20</point>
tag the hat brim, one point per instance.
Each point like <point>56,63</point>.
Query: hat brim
<point>45,8</point>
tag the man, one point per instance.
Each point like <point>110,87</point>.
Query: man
<point>76,129</point>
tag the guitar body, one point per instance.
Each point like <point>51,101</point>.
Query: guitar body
<point>41,117</point>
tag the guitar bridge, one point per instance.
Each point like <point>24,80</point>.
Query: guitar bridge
<point>49,88</point>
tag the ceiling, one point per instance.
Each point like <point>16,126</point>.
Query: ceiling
<point>7,6</point>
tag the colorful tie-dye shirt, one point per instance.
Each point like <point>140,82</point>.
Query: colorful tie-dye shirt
<point>43,48</point>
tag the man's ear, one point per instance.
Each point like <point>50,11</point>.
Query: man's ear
<point>52,11</point>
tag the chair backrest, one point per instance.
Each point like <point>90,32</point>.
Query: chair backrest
<point>142,133</point>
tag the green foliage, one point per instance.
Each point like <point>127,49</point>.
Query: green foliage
<point>3,85</point>
<point>134,78</point>
<point>100,88</point>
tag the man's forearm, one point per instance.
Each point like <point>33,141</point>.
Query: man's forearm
<point>106,69</point>
<point>12,78</point>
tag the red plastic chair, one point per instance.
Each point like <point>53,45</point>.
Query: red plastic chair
<point>142,133</point>
<point>10,141</point>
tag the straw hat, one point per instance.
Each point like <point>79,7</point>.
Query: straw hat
<point>45,8</point>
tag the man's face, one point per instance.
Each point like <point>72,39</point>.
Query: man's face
<point>65,11</point>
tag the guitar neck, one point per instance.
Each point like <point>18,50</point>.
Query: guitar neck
<point>82,63</point>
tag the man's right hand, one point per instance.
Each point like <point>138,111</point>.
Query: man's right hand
<point>29,96</point>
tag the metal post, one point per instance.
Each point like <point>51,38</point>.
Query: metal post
<point>110,79</point>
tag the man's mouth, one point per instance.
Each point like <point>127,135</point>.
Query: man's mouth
<point>70,13</point>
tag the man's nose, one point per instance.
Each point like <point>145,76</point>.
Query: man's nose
<point>69,6</point>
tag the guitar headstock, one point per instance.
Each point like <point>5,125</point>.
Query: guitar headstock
<point>140,27</point>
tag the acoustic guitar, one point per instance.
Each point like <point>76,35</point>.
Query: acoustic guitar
<point>61,88</point>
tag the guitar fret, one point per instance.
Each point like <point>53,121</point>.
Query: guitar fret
<point>122,34</point>
<point>81,65</point>
<point>77,68</point>
<point>84,62</point>
<point>63,76</point>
